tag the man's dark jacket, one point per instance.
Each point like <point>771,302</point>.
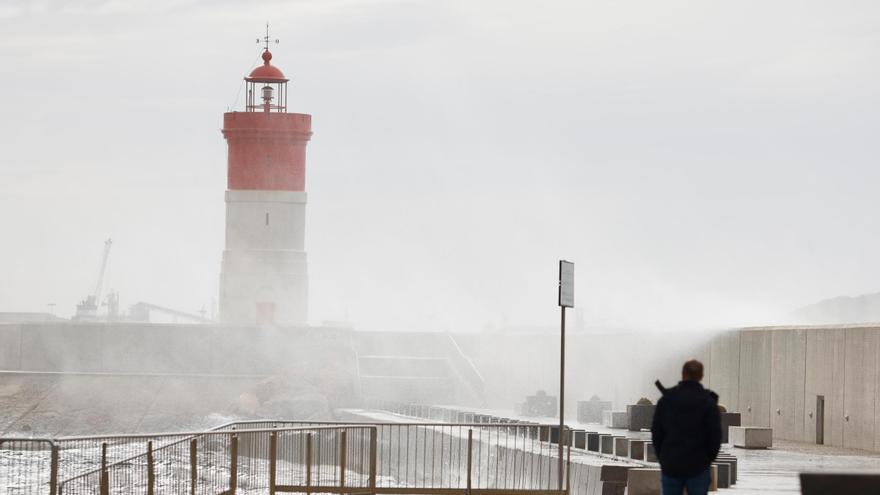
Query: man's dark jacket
<point>687,429</point>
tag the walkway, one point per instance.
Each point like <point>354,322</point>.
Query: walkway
<point>765,472</point>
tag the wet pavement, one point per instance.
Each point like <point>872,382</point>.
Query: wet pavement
<point>776,470</point>
<point>770,471</point>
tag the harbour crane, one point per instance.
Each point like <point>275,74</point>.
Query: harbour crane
<point>88,308</point>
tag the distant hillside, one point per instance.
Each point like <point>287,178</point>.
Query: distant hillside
<point>844,309</point>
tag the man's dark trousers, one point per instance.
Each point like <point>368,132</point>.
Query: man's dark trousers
<point>697,485</point>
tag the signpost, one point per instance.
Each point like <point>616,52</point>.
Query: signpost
<point>566,300</point>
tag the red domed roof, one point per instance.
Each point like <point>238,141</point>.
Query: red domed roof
<point>266,72</point>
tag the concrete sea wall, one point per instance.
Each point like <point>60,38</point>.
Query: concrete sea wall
<point>775,376</point>
<point>61,378</point>
<point>160,348</point>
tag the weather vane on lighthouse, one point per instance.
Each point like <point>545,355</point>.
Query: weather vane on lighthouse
<point>267,39</point>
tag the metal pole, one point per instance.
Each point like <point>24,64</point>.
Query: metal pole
<point>151,473</point>
<point>53,473</point>
<point>561,436</point>
<point>273,448</point>
<point>373,448</point>
<point>233,467</point>
<point>308,463</point>
<point>470,448</point>
<point>342,448</point>
<point>105,480</point>
<point>193,466</point>
<point>568,471</point>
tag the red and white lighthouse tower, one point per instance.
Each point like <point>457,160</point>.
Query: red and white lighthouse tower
<point>264,278</point>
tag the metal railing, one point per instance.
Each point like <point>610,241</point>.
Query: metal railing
<point>28,465</point>
<point>440,457</point>
<point>279,456</point>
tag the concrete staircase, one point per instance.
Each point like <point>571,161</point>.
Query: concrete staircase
<point>416,367</point>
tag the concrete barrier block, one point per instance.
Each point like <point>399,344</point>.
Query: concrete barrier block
<point>615,419</point>
<point>713,472</point>
<point>621,447</point>
<point>650,453</point>
<point>614,473</point>
<point>593,441</point>
<point>580,439</point>
<point>539,405</point>
<point>723,474</point>
<point>544,433</point>
<point>639,417</point>
<point>606,444</point>
<point>637,449</point>
<point>839,483</point>
<point>729,419</point>
<point>730,460</point>
<point>613,488</point>
<point>590,411</point>
<point>751,437</point>
<point>643,481</point>
<point>554,434</point>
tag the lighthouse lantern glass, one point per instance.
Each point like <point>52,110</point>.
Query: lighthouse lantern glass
<point>267,93</point>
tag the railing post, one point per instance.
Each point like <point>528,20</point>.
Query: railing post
<point>53,471</point>
<point>273,452</point>
<point>470,449</point>
<point>151,474</point>
<point>373,447</point>
<point>342,462</point>
<point>233,465</point>
<point>105,479</point>
<point>309,463</point>
<point>568,471</point>
<point>193,466</point>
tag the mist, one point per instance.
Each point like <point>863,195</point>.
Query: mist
<point>701,166</point>
<point>376,255</point>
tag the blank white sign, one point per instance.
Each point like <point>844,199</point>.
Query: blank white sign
<point>566,284</point>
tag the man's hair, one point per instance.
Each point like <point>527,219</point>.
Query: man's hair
<point>692,370</point>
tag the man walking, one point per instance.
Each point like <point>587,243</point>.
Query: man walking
<point>687,433</point>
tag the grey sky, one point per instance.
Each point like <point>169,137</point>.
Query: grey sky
<point>701,162</point>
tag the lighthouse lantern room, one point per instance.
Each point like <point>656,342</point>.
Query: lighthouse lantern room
<point>266,87</point>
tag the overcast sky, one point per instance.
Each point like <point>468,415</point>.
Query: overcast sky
<point>702,162</point>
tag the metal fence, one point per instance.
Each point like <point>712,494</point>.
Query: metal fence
<point>28,465</point>
<point>277,456</point>
<point>441,457</point>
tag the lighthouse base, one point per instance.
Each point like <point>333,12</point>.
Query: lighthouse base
<point>264,278</point>
<point>264,287</point>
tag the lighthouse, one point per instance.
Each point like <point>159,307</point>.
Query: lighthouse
<point>264,275</point>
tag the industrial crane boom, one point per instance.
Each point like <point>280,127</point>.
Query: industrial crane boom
<point>100,285</point>
<point>88,308</point>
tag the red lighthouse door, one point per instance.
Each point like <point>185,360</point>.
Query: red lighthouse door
<point>265,313</point>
